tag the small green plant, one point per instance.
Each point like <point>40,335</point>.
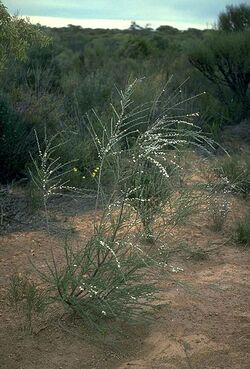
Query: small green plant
<point>184,204</point>
<point>242,231</point>
<point>193,253</point>
<point>218,212</point>
<point>26,299</point>
<point>235,173</point>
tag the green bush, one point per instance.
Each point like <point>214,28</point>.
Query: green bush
<point>220,57</point>
<point>234,171</point>
<point>15,141</point>
<point>27,299</point>
<point>218,212</point>
<point>242,231</point>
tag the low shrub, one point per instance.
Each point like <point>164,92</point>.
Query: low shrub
<point>27,299</point>
<point>235,172</point>
<point>242,231</point>
<point>218,212</point>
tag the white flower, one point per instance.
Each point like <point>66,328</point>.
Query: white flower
<point>176,269</point>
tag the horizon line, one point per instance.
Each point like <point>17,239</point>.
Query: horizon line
<point>104,23</point>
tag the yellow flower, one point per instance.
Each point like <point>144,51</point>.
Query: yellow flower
<point>95,171</point>
<point>75,169</point>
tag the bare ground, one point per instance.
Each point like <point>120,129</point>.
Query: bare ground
<point>202,319</point>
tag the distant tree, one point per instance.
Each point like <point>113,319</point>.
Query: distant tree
<point>16,36</point>
<point>168,30</point>
<point>73,27</point>
<point>235,18</point>
<point>135,27</point>
<point>224,58</point>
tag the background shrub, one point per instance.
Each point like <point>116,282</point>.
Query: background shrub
<point>242,231</point>
<point>16,140</point>
<point>234,170</point>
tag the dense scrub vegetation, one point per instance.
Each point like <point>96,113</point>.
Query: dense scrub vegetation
<point>53,78</point>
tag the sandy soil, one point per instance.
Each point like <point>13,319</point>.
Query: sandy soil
<point>202,320</point>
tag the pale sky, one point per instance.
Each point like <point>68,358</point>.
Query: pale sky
<point>181,14</point>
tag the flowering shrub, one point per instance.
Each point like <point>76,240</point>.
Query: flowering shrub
<point>103,278</point>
